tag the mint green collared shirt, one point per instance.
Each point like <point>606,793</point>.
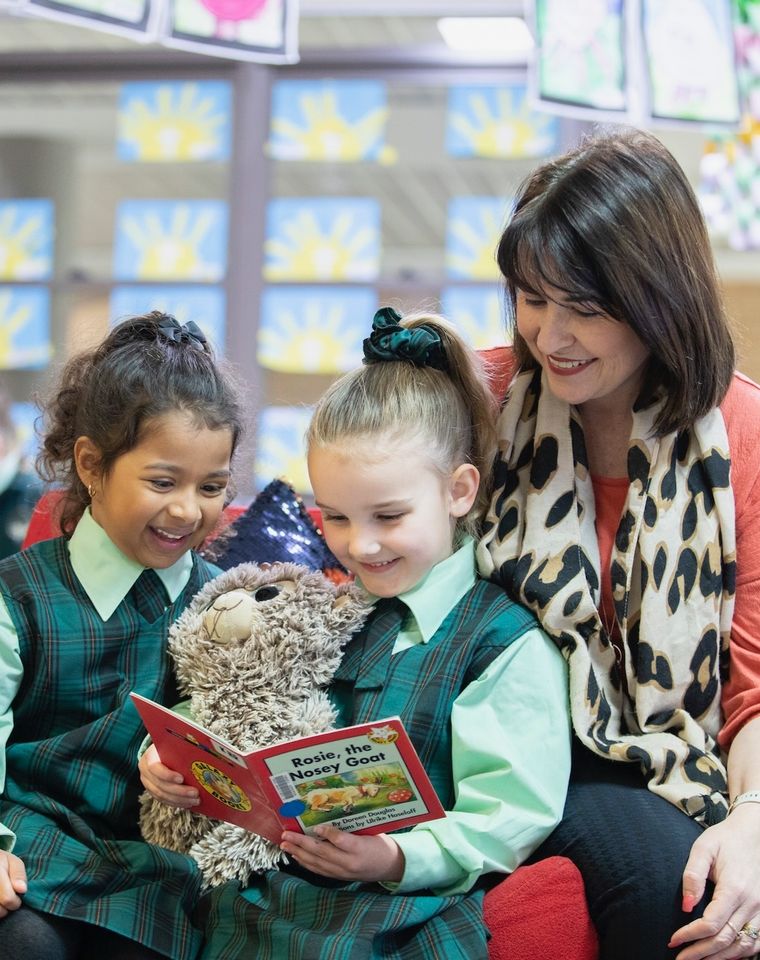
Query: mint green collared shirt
<point>107,576</point>
<point>510,749</point>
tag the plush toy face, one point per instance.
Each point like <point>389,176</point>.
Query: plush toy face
<point>281,622</point>
<point>235,616</point>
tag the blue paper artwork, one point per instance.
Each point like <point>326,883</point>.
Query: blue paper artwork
<point>308,329</point>
<point>171,240</point>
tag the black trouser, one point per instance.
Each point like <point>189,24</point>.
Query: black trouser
<point>26,934</point>
<point>631,848</point>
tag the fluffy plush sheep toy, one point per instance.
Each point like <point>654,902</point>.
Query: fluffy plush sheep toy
<point>253,652</point>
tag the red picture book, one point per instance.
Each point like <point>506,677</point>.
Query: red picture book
<point>363,779</point>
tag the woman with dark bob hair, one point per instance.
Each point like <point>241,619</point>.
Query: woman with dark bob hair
<point>626,515</point>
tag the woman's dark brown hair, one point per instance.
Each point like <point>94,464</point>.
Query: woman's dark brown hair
<point>616,224</point>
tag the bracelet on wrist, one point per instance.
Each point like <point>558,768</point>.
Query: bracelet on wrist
<point>752,796</point>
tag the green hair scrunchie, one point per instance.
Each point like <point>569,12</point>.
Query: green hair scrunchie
<point>421,345</point>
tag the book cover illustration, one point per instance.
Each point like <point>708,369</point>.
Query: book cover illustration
<point>363,779</point>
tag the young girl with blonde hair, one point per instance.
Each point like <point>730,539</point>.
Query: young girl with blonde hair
<point>396,450</point>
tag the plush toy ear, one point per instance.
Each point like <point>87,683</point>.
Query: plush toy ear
<point>350,608</point>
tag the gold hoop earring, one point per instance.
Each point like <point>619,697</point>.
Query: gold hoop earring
<point>90,490</point>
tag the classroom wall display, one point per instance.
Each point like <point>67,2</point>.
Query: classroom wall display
<point>321,238</point>
<point>24,327</point>
<point>26,239</point>
<point>23,417</point>
<point>473,228</point>
<point>280,449</point>
<point>137,19</point>
<point>729,183</point>
<point>690,59</point>
<point>204,305</point>
<point>308,329</point>
<point>498,121</point>
<point>339,121</point>
<point>478,312</point>
<point>171,240</point>
<point>174,121</point>
<point>581,56</point>
<point>261,30</point>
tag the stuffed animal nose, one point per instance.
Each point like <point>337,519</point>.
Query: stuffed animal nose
<point>230,616</point>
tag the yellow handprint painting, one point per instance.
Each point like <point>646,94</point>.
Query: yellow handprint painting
<point>478,311</point>
<point>280,450</point>
<point>26,239</point>
<point>174,121</point>
<point>497,122</point>
<point>314,329</point>
<point>329,120</point>
<point>473,229</point>
<point>24,327</point>
<point>171,240</point>
<point>317,238</point>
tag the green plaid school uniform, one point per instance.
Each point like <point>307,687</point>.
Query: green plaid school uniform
<point>284,916</point>
<point>72,784</point>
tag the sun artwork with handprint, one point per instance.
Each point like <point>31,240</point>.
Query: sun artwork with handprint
<point>174,122</point>
<point>339,121</point>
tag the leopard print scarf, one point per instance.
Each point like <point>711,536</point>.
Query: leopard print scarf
<point>673,572</point>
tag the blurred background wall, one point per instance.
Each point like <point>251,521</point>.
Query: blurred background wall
<point>278,204</point>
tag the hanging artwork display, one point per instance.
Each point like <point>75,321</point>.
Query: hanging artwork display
<point>261,30</point>
<point>690,60</point>
<point>478,312</point>
<point>498,121</point>
<point>581,57</point>
<point>340,121</point>
<point>136,19</point>
<point>280,451</point>
<point>729,183</point>
<point>171,240</point>
<point>26,239</point>
<point>204,305</point>
<point>24,327</point>
<point>308,329</point>
<point>174,121</point>
<point>473,228</point>
<point>322,238</point>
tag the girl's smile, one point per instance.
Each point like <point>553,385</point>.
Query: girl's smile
<point>389,519</point>
<point>165,495</point>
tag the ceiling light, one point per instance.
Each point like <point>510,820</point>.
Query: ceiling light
<point>507,35</point>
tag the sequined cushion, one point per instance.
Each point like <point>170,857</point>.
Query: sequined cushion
<point>276,527</point>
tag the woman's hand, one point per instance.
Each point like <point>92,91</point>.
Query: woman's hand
<point>729,855</point>
<point>346,856</point>
<point>12,882</point>
<point>166,785</point>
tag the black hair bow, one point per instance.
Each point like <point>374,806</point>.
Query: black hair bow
<point>188,332</point>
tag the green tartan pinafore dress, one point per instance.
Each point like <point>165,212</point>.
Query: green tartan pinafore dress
<point>291,914</point>
<point>71,761</point>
